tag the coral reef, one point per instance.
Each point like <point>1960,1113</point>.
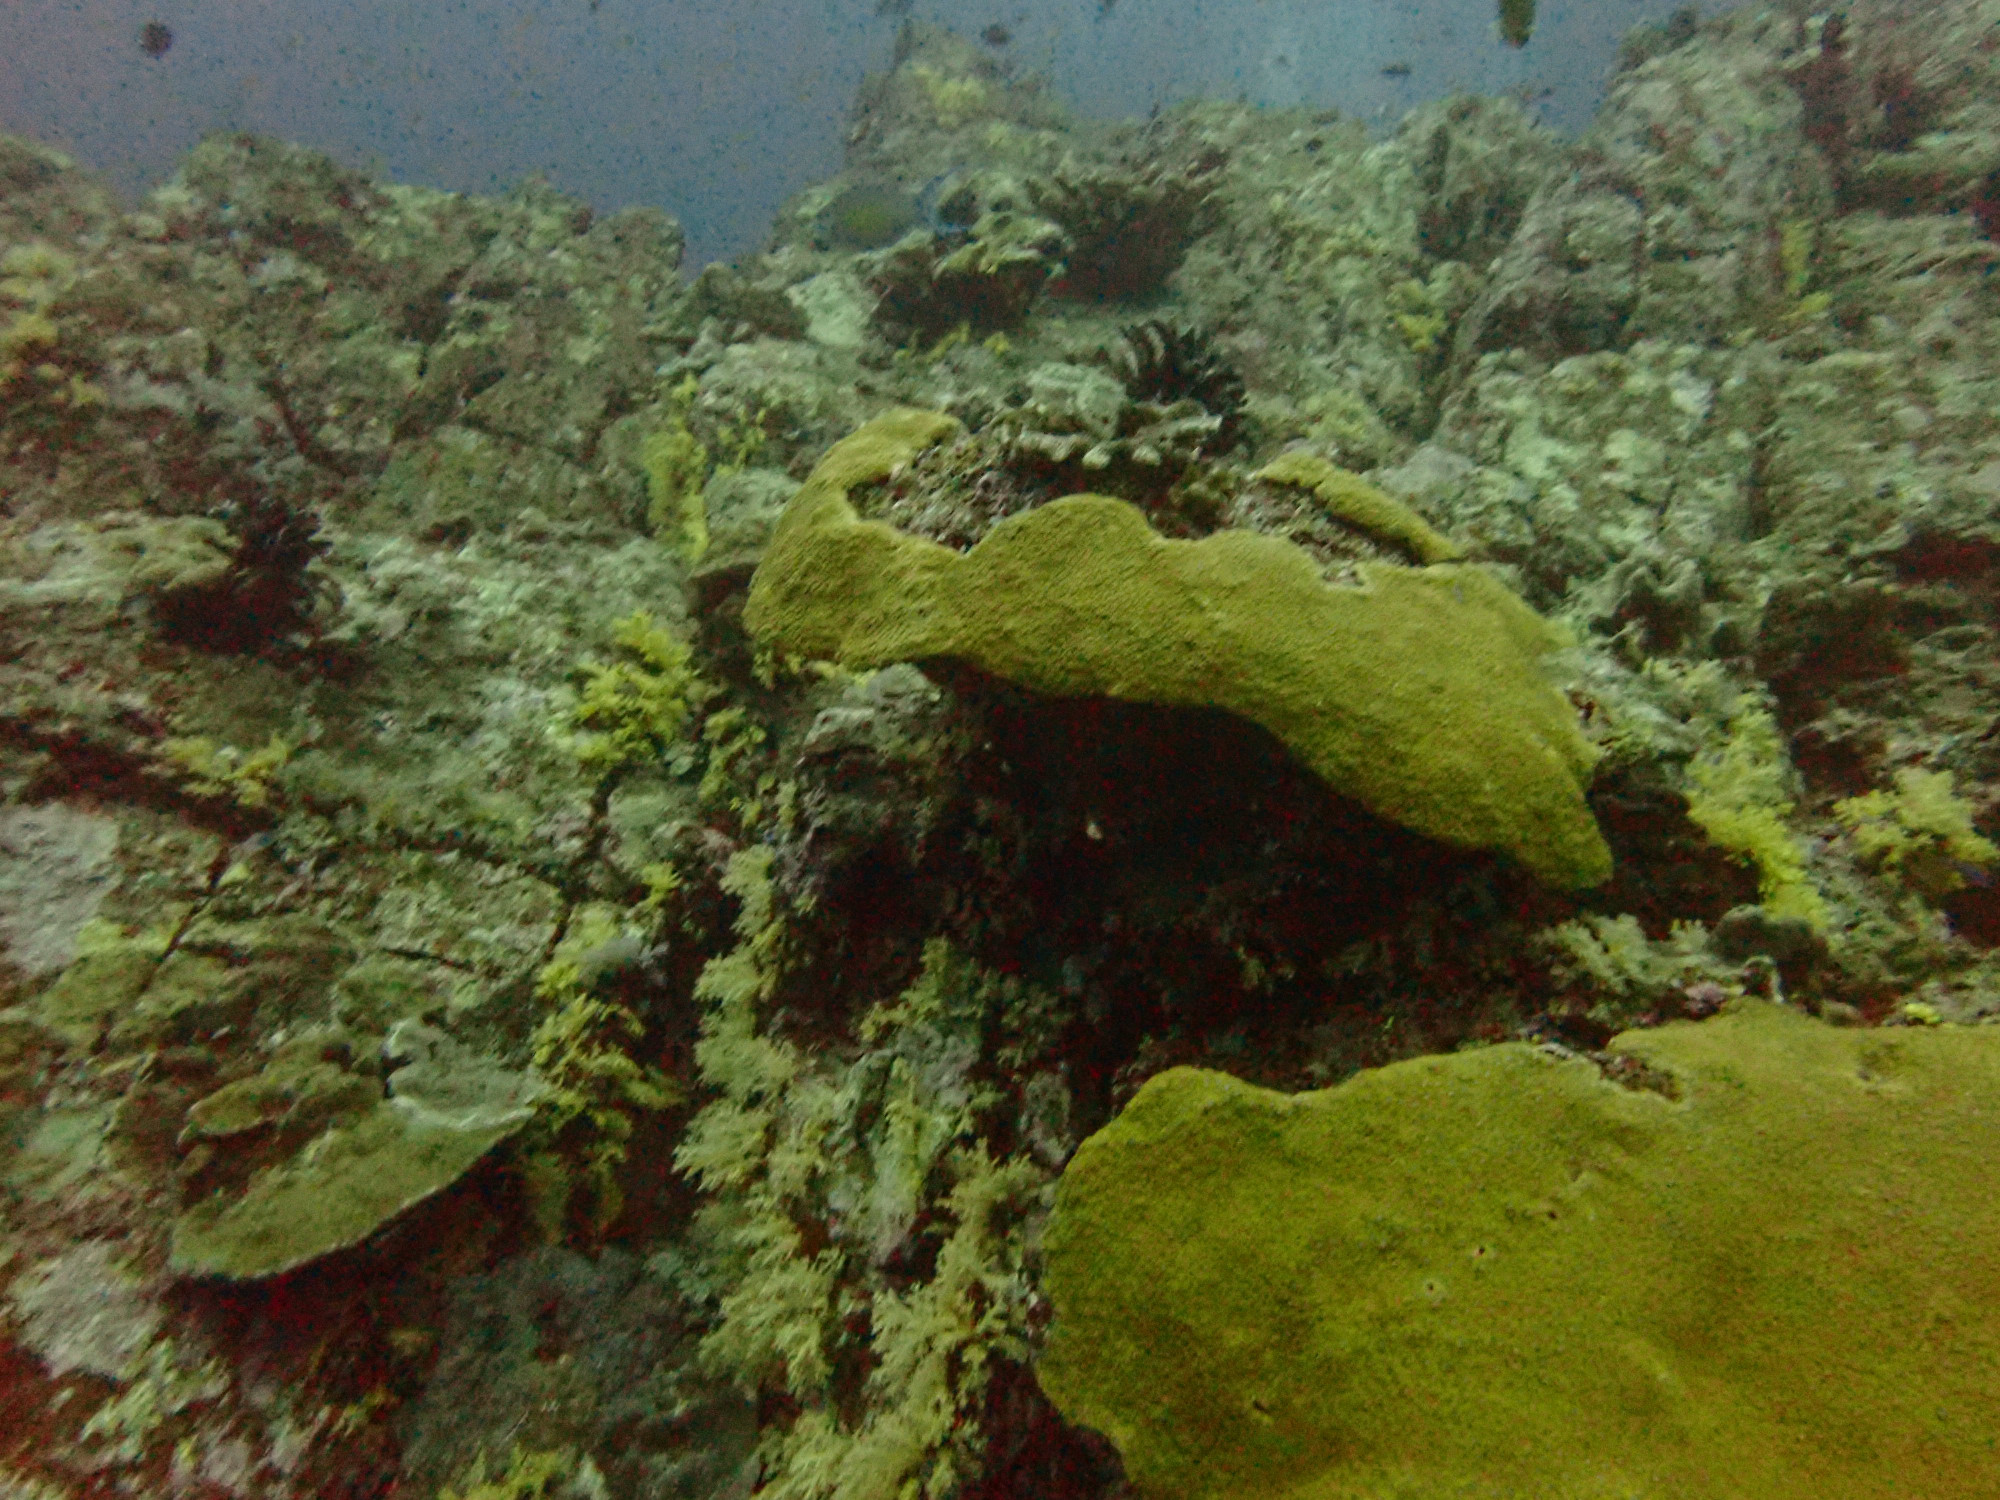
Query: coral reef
<point>1128,223</point>
<point>578,850</point>
<point>1160,365</point>
<point>919,1290</point>
<point>927,286</point>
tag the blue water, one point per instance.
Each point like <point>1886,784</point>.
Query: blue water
<point>712,111</point>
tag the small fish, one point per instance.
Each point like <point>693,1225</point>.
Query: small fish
<point>996,35</point>
<point>155,37</point>
<point>1396,70</point>
<point>866,216</point>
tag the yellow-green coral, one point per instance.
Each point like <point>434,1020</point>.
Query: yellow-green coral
<point>676,466</point>
<point>1798,244</point>
<point>213,770</point>
<point>1350,498</point>
<point>158,1385</point>
<point>15,1485</point>
<point>953,98</point>
<point>679,468</point>
<point>34,273</point>
<point>32,279</point>
<point>1612,962</point>
<point>1420,693</point>
<point>531,1474</point>
<point>24,334</point>
<point>1417,316</point>
<point>734,742</point>
<point>1798,239</point>
<point>1337,419</point>
<point>1496,1273</point>
<point>1921,832</point>
<point>1739,794</point>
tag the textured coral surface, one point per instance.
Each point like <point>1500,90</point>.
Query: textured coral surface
<point>1417,693</point>
<point>1760,1266</point>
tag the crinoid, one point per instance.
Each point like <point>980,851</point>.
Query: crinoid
<point>269,590</point>
<point>1160,365</point>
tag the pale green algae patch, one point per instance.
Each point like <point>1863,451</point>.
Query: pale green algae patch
<point>1496,1273</point>
<point>376,1160</point>
<point>1418,693</point>
<point>334,1194</point>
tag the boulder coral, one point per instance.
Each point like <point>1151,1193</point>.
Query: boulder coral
<point>1419,693</point>
<point>1755,1260</point>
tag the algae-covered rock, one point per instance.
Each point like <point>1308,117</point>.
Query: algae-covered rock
<point>447,1109</point>
<point>333,1195</point>
<point>1419,694</point>
<point>101,563</point>
<point>1666,226</point>
<point>55,868</point>
<point>84,1309</point>
<point>305,1085</point>
<point>1498,1273</point>
<point>927,285</point>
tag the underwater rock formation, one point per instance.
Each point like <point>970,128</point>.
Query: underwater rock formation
<point>475,1020</point>
<point>927,285</point>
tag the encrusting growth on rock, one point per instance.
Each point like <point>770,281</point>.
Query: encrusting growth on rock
<point>1419,694</point>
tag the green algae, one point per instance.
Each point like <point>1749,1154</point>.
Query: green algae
<point>893,1150</point>
<point>293,1091</point>
<point>1739,793</point>
<point>1419,693</point>
<point>1497,1273</point>
<point>1921,832</point>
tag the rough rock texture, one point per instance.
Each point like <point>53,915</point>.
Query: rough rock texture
<point>360,1173</point>
<point>1670,225</point>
